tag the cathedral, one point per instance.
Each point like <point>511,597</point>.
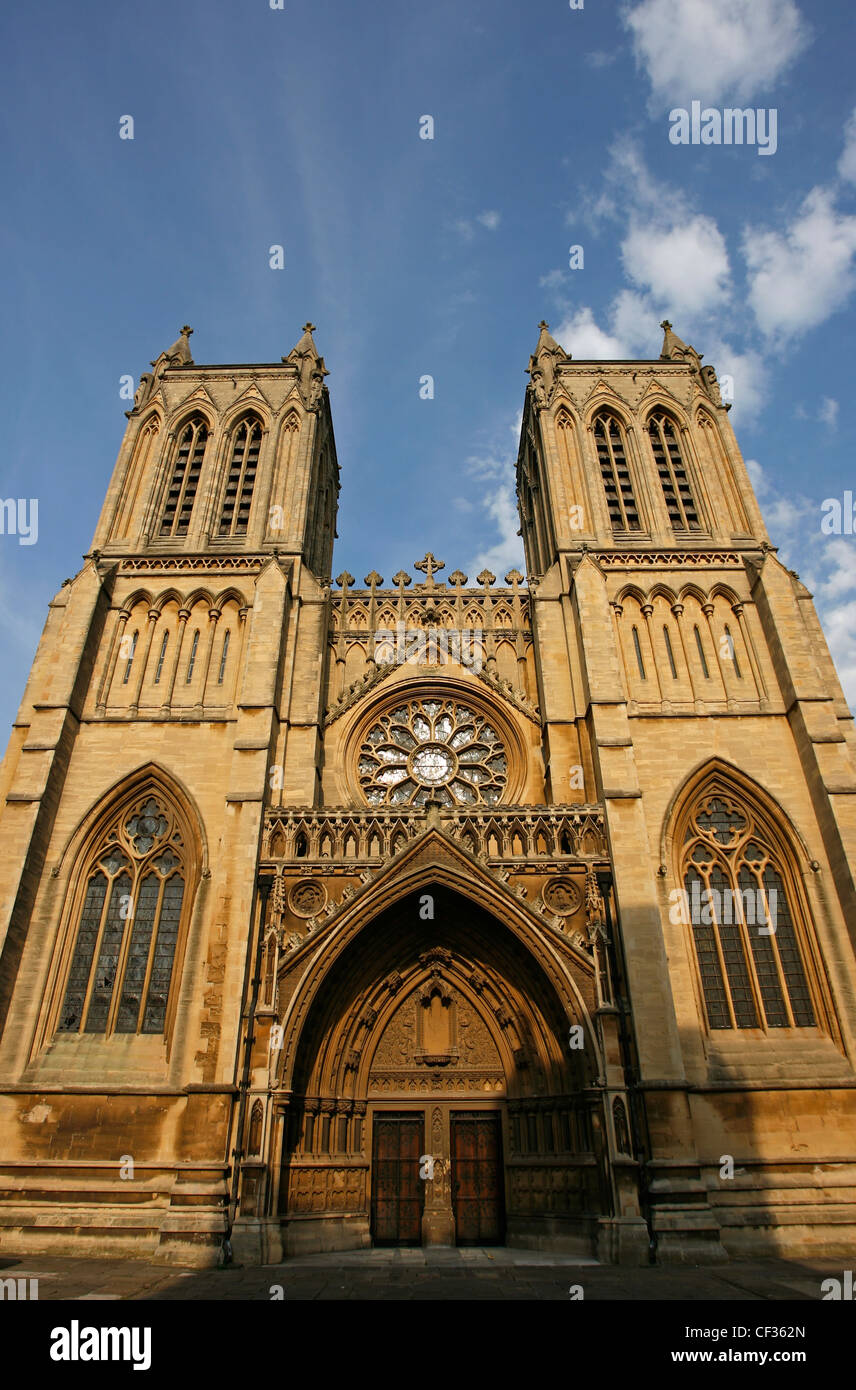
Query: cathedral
<point>434,909</point>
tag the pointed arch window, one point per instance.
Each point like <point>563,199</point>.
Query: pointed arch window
<point>669,653</point>
<point>127,934</point>
<point>243,465</point>
<point>159,669</point>
<point>674,481</point>
<point>132,651</point>
<point>618,486</point>
<point>743,909</point>
<point>224,657</point>
<point>184,481</point>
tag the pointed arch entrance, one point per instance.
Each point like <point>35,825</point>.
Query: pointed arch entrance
<point>433,1096</point>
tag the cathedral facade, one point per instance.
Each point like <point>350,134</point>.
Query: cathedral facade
<point>429,910</point>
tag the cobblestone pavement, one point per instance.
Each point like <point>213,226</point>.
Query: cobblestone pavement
<point>436,1273</point>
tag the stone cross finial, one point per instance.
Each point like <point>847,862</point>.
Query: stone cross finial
<point>309,327</point>
<point>429,567</point>
<point>514,577</point>
<point>374,580</point>
<point>458,578</point>
<point>401,579</point>
<point>345,579</point>
<point>486,578</point>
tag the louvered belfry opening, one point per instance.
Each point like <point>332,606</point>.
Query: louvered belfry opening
<point>235,514</point>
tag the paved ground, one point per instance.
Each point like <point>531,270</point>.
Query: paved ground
<point>437,1274</point>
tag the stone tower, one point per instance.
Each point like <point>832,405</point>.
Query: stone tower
<point>176,668</point>
<point>685,668</point>
<point>432,911</point>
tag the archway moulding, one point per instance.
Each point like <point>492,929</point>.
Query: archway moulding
<point>432,860</point>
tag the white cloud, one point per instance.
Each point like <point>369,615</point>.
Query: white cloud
<point>580,336</point>
<point>828,563</point>
<point>507,553</point>
<point>636,323</point>
<point>483,466</point>
<point>839,624</point>
<point>841,557</point>
<point>553,280</point>
<point>706,51</point>
<point>757,477</point>
<point>748,373</point>
<point>601,58</point>
<point>800,276</point>
<point>847,162</point>
<point>684,266</point>
<point>489,219</point>
<point>828,413</point>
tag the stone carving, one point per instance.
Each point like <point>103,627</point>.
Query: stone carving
<point>544,364</point>
<point>674,349</point>
<point>619,1121</point>
<point>546,834</point>
<point>595,910</point>
<point>176,356</point>
<point>326,1188</point>
<point>562,896</point>
<point>310,368</point>
<point>307,898</point>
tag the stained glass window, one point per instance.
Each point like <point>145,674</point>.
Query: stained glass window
<point>741,913</point>
<point>121,969</point>
<point>433,750</point>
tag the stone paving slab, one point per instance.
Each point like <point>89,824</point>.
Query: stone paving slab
<point>430,1274</point>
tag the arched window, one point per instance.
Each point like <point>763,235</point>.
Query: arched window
<point>159,669</point>
<point>669,653</point>
<point>128,926</point>
<point>185,478</point>
<point>743,911</point>
<point>191,660</point>
<point>244,458</point>
<point>638,650</point>
<point>701,656</point>
<point>132,651</point>
<point>678,495</point>
<point>223,657</point>
<point>732,652</point>
<point>612,457</point>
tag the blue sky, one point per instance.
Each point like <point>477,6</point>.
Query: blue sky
<point>300,127</point>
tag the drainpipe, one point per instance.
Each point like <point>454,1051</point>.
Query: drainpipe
<point>261,888</point>
<point>640,1134</point>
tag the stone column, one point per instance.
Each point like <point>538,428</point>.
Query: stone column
<point>438,1218</point>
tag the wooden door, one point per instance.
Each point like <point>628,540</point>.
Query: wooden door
<point>477,1177</point>
<point>398,1192</point>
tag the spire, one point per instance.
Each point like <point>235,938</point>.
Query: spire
<point>310,367</point>
<point>546,342</point>
<point>544,364</point>
<point>179,354</point>
<point>676,350</point>
<point>176,356</point>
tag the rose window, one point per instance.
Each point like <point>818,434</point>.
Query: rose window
<point>432,750</point>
